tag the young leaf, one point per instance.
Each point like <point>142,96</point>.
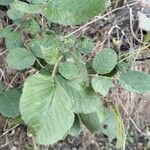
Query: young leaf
<point>31,26</point>
<point>37,44</point>
<point>9,103</point>
<point>105,61</point>
<point>20,58</point>
<point>51,53</point>
<point>101,84</point>
<point>73,12</point>
<point>68,70</point>
<point>135,81</point>
<point>69,42</point>
<point>13,40</point>
<point>84,45</point>
<point>47,110</point>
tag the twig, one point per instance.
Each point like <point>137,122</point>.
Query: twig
<point>2,75</point>
<point>12,81</point>
<point>9,130</point>
<point>39,62</point>
<point>108,35</point>
<point>131,28</point>
<point>133,53</point>
<point>131,119</point>
<point>2,53</point>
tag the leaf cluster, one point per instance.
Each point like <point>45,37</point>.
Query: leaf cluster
<point>67,91</point>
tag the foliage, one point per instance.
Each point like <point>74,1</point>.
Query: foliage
<point>105,61</point>
<point>67,91</point>
<point>10,103</point>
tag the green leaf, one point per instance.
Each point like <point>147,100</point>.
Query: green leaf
<point>20,58</point>
<point>47,110</point>
<point>120,130</point>
<point>9,103</point>
<point>68,70</point>
<point>77,57</point>
<point>113,126</point>
<point>84,99</point>
<point>5,32</point>
<point>27,8</point>
<point>105,61</point>
<point>15,121</point>
<point>74,12</point>
<point>31,26</point>
<point>37,1</point>
<point>93,120</point>
<point>135,81</point>
<point>6,2</point>
<point>76,128</point>
<point>107,121</point>
<point>124,66</point>
<point>51,54</point>
<point>47,70</point>
<point>84,45</point>
<point>13,40</point>
<point>37,43</point>
<point>147,37</point>
<point>1,88</point>
<point>69,42</point>
<point>14,14</point>
<point>101,84</point>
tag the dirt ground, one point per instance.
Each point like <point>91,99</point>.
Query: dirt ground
<point>134,108</point>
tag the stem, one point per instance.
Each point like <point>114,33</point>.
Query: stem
<point>55,67</point>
